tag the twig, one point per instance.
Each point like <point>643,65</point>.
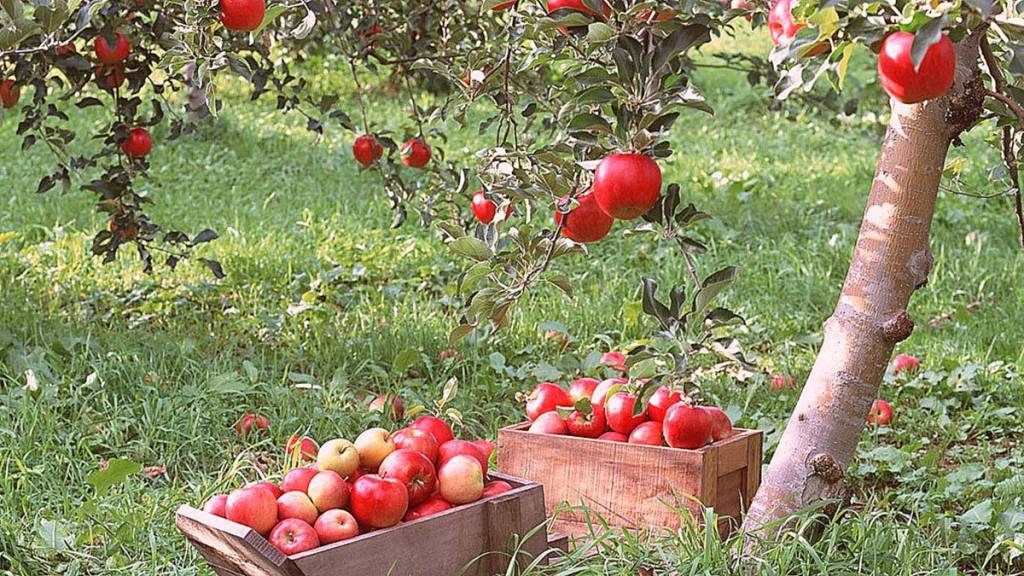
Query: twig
<point>693,270</point>
<point>415,108</point>
<point>359,96</point>
<point>1009,133</point>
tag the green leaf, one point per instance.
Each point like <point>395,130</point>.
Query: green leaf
<point>590,122</point>
<point>599,33</point>
<point>470,247</point>
<point>924,38</point>
<point>561,281</point>
<point>459,332</point>
<point>117,471</point>
<point>713,285</point>
<point>595,95</point>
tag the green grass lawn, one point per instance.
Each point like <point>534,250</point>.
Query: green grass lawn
<point>321,298</point>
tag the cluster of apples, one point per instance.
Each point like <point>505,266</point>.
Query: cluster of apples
<point>415,153</point>
<point>606,410</point>
<point>904,82</point>
<point>377,481</point>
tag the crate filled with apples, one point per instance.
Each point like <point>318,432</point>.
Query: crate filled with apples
<point>605,449</point>
<point>417,501</point>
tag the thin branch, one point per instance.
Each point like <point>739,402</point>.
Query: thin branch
<point>1009,133</point>
<point>693,270</point>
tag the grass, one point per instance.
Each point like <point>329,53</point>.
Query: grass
<point>324,304</point>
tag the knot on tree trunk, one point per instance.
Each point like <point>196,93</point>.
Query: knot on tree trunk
<point>919,266</point>
<point>899,327</point>
<point>824,482</point>
<point>965,108</point>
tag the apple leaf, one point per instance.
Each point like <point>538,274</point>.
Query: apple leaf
<point>470,247</point>
<point>116,472</point>
<point>927,35</point>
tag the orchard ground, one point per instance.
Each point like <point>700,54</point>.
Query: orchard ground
<point>323,303</point>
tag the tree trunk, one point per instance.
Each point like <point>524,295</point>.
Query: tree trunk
<point>891,260</point>
<point>196,107</point>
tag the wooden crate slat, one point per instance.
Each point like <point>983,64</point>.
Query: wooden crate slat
<point>239,547</point>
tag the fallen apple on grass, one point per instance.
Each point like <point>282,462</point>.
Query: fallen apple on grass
<point>306,448</point>
<point>880,413</point>
<point>248,422</point>
<point>905,363</point>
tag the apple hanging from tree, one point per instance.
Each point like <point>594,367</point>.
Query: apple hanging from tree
<point>415,153</point>
<point>138,144</point>
<point>115,53</point>
<point>899,78</point>
<point>242,15</point>
<point>483,207</point>
<point>367,150</point>
<point>585,223</point>
<point>292,536</point>
<point>626,186</point>
<point>579,6</point>
<point>9,94</point>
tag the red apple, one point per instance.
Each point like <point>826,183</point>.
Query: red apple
<point>242,15</point>
<point>602,389</point>
<point>587,423</point>
<point>613,437</point>
<point>546,397</point>
<point>292,536</point>
<point>899,78</point>
<point>880,414</point>
<point>415,153</point>
<point>439,428</point>
<point>782,382</point>
<point>582,388</point>
<point>255,507</point>
<point>428,508</point>
<point>9,94</point>
<point>416,439</point>
<point>661,401</point>
<point>587,222</point>
<point>453,448</point>
<point>614,360</point>
<point>627,185</point>
<point>374,445</point>
<point>495,487</point>
<point>274,489</point>
<point>687,427</point>
<point>336,525</point>
<point>905,363</point>
<point>249,421</point>
<point>115,53</point>
<point>549,423</point>
<point>460,480</point>
<point>217,506</point>
<point>483,207</point>
<point>413,470</point>
<point>579,6</point>
<point>379,502</point>
<point>721,426</point>
<point>366,149</point>
<point>485,446</point>
<point>110,76</point>
<point>297,479</point>
<point>139,144</point>
<point>328,490</point>
<point>338,455</point>
<point>306,447</point>
<point>296,505</point>
<point>648,433</point>
<point>618,411</point>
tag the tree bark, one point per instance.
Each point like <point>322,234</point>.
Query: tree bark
<point>891,260</point>
<point>196,106</point>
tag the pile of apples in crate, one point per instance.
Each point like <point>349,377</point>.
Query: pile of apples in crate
<point>377,481</point>
<point>608,410</point>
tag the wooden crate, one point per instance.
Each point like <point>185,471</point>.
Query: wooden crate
<point>478,534</point>
<point>630,485</point>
